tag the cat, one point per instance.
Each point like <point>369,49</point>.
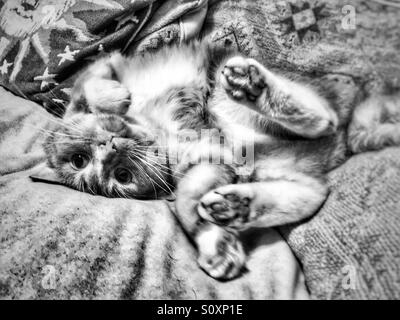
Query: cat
<point>134,128</point>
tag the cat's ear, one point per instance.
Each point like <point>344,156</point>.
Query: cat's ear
<point>44,173</point>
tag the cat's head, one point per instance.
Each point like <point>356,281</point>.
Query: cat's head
<point>108,155</point>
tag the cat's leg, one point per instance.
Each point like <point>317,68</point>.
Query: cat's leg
<point>262,204</point>
<point>220,252</point>
<point>98,89</point>
<point>294,106</point>
<point>375,124</point>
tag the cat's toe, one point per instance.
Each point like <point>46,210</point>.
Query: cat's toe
<point>231,84</point>
<point>225,206</point>
<point>238,62</point>
<point>257,79</point>
<point>221,254</point>
<point>242,78</point>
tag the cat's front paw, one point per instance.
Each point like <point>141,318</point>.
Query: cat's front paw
<point>107,96</point>
<point>228,205</point>
<point>221,253</point>
<point>241,78</point>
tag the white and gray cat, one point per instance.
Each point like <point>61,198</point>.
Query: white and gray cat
<point>125,134</point>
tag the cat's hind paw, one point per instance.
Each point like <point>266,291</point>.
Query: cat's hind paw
<point>241,78</point>
<point>227,205</point>
<point>221,253</point>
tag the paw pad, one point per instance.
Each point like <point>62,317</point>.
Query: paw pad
<point>242,79</point>
<point>230,209</point>
<point>221,254</point>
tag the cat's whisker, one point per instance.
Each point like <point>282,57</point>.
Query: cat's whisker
<point>60,143</point>
<point>144,171</point>
<point>60,122</point>
<point>81,186</point>
<point>51,103</point>
<point>161,166</point>
<point>148,152</point>
<point>61,134</point>
<point>157,173</point>
<point>91,191</point>
<point>150,179</point>
<point>51,132</point>
<point>167,156</point>
<point>154,160</point>
<point>167,172</point>
<point>74,126</point>
<point>124,194</point>
<point>162,180</point>
<point>54,132</point>
<point>119,193</point>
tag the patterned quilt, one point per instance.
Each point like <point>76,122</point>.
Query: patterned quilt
<point>43,43</point>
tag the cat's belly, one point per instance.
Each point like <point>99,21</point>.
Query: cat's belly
<point>242,134</point>
<point>239,122</point>
<point>264,156</point>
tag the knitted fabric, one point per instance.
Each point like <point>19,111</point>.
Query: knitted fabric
<point>351,248</point>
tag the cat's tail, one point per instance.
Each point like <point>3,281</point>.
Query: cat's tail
<point>375,124</point>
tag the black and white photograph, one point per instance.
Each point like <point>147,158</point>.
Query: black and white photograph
<point>204,150</point>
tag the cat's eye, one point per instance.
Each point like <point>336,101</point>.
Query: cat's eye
<point>79,161</point>
<point>123,175</point>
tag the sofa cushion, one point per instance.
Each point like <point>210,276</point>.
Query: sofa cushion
<point>351,248</point>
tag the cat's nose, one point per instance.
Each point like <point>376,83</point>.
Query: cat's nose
<point>104,151</point>
<point>117,143</point>
<point>110,146</point>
